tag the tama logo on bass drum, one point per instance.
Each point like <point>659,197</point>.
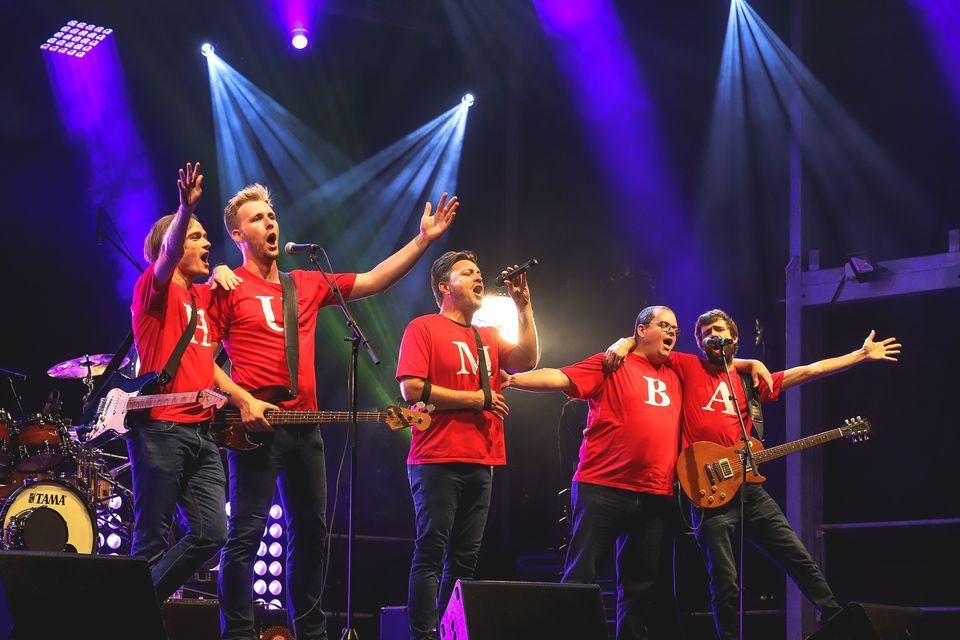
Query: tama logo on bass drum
<point>47,498</point>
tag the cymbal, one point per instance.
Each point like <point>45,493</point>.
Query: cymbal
<point>79,367</point>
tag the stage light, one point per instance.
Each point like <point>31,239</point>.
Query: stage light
<point>499,312</point>
<point>276,568</point>
<point>276,530</point>
<point>299,38</point>
<point>259,567</point>
<point>276,549</point>
<point>114,541</point>
<point>206,49</point>
<point>75,39</point>
<point>864,268</point>
<point>467,99</point>
<point>276,604</point>
<point>260,587</point>
<point>100,541</point>
<point>276,587</point>
<point>115,502</point>
<point>226,509</point>
<point>262,551</point>
<point>276,511</point>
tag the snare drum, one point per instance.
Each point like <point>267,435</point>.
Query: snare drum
<point>49,516</point>
<point>8,444</point>
<point>43,443</point>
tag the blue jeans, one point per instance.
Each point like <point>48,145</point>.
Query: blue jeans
<point>175,466</point>
<point>451,501</point>
<point>295,455</point>
<point>639,524</point>
<point>718,535</point>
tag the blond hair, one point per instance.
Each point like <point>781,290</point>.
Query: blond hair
<point>250,193</point>
<point>154,240</point>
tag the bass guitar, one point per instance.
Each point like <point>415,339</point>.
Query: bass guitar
<point>125,394</point>
<point>228,431</point>
<point>711,474</point>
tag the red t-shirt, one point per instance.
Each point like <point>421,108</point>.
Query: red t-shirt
<point>159,319</point>
<point>633,424</point>
<point>708,413</point>
<point>252,317</point>
<point>444,352</point>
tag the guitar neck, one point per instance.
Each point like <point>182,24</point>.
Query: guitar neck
<point>312,417</point>
<point>161,400</point>
<point>797,445</point>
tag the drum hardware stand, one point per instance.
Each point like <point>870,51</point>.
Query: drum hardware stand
<point>10,375</point>
<point>88,380</point>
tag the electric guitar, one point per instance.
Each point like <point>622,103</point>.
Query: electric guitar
<point>124,394</point>
<point>228,431</point>
<point>711,474</point>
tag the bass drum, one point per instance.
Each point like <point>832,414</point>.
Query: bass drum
<point>49,515</point>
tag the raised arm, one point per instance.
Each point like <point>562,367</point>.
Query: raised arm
<point>443,398</point>
<point>870,351</point>
<point>527,352</point>
<point>388,272</point>
<point>171,250</point>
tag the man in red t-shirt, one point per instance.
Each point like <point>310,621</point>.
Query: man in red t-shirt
<point>709,415</point>
<point>253,326</point>
<point>623,484</point>
<point>174,461</point>
<point>450,465</point>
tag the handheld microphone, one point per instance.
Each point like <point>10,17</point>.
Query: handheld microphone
<point>292,248</point>
<point>526,266</point>
<point>718,342</point>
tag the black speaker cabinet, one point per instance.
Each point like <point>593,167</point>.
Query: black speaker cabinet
<point>65,595</point>
<point>488,610</point>
<point>861,621</point>
<point>190,619</point>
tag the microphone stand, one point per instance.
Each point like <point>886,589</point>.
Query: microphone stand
<point>356,339</point>
<point>746,462</point>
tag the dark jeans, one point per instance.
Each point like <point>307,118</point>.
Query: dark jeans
<point>451,501</point>
<point>639,524</point>
<point>295,455</point>
<point>718,537</point>
<point>175,466</point>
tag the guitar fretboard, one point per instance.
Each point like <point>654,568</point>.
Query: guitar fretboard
<point>307,417</point>
<point>148,402</point>
<point>797,445</point>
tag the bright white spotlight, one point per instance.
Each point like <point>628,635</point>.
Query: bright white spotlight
<point>300,38</point>
<point>206,49</point>
<point>467,99</point>
<point>499,312</point>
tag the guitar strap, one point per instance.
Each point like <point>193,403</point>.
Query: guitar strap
<point>484,376</point>
<point>291,330</point>
<point>170,369</point>
<point>753,403</point>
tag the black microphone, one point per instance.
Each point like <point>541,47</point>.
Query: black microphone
<point>292,248</point>
<point>529,264</point>
<point>718,342</point>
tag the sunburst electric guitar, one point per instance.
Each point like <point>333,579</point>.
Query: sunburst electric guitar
<point>229,432</point>
<point>711,474</point>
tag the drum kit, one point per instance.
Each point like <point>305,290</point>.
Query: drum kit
<point>59,493</point>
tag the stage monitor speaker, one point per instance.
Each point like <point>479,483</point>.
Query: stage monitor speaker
<point>862,621</point>
<point>192,619</point>
<point>394,623</point>
<point>65,595</point>
<point>488,610</point>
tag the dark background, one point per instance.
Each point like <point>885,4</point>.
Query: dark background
<point>377,70</point>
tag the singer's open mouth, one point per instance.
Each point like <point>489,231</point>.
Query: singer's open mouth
<point>478,289</point>
<point>668,342</point>
<point>272,239</point>
<point>205,258</point>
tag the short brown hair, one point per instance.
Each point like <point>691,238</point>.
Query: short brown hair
<point>249,193</point>
<point>440,271</point>
<point>154,240</point>
<point>709,317</point>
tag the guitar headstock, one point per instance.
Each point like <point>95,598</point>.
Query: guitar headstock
<point>213,398</point>
<point>400,418</point>
<point>856,429</point>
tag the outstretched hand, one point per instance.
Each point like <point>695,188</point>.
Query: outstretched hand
<point>190,186</point>
<point>882,350</point>
<point>223,277</point>
<point>435,225</point>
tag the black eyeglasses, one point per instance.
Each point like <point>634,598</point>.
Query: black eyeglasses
<point>666,327</point>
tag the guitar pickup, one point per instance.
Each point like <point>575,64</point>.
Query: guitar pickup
<point>723,468</point>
